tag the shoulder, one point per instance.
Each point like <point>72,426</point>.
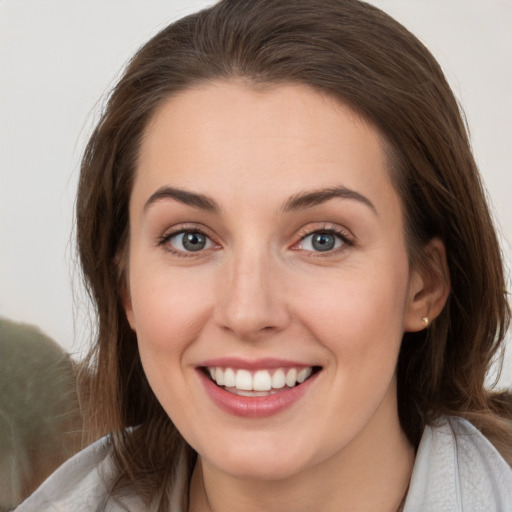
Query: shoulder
<point>458,469</point>
<point>81,484</point>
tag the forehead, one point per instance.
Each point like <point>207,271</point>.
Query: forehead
<point>224,107</point>
<point>221,137</point>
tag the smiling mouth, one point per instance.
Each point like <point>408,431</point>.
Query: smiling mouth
<point>263,382</point>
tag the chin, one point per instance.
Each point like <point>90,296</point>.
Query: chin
<point>260,461</point>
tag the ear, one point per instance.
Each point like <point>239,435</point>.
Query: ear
<point>122,269</point>
<point>429,287</point>
<point>126,300</point>
<point>124,292</point>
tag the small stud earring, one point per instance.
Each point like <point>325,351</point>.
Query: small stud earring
<point>425,320</point>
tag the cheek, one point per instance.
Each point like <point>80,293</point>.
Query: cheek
<point>359,320</point>
<point>170,313</point>
<point>167,305</point>
<point>357,314</point>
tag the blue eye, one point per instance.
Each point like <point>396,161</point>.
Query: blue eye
<point>321,241</point>
<point>189,241</point>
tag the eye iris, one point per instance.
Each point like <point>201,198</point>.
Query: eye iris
<point>323,241</point>
<point>193,241</point>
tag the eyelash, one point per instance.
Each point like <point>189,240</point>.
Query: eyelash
<point>328,229</point>
<point>165,239</point>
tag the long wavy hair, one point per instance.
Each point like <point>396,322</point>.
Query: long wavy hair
<point>364,58</point>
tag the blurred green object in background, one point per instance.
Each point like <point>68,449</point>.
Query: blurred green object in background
<point>40,424</point>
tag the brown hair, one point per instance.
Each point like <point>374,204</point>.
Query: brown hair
<point>358,54</point>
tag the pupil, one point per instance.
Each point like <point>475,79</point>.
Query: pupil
<point>323,242</point>
<point>194,241</point>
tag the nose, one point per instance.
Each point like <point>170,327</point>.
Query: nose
<point>251,301</point>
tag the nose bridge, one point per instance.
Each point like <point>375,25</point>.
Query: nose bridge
<point>251,300</point>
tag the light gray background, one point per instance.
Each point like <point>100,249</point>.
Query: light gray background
<point>58,57</point>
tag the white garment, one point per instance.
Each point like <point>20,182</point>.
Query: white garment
<point>456,470</point>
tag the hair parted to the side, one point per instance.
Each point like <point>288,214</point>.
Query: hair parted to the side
<point>367,60</point>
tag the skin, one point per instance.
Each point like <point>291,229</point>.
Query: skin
<point>259,289</point>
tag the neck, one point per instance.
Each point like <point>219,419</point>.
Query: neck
<point>370,474</point>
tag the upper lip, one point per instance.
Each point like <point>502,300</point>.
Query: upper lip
<point>254,364</point>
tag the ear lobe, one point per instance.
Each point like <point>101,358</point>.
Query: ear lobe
<point>429,287</point>
<point>126,300</point>
<point>121,264</point>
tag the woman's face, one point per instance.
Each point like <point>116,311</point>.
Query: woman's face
<point>267,247</point>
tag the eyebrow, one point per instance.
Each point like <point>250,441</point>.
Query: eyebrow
<point>183,196</point>
<point>300,201</point>
<point>305,200</point>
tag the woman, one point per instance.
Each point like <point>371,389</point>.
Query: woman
<point>298,285</point>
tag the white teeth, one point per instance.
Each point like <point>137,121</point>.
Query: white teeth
<point>291,377</point>
<point>229,378</point>
<point>261,380</point>
<point>239,392</point>
<point>278,379</point>
<point>303,374</point>
<point>243,380</point>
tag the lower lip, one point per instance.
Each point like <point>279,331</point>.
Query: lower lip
<point>255,406</point>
